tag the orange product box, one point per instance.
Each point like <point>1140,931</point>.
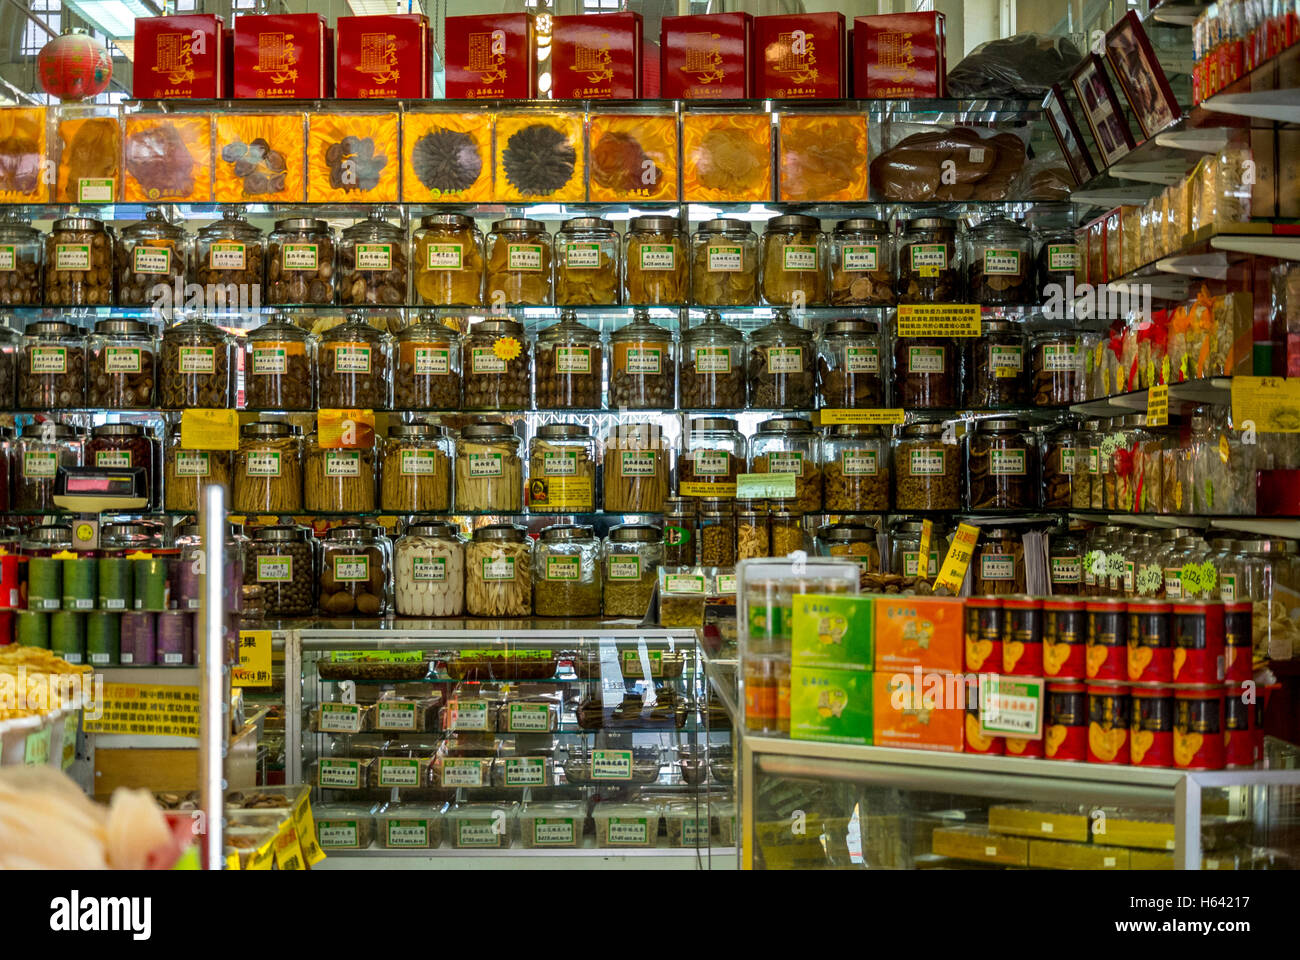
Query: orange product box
<point>926,632</point>
<point>919,709</point>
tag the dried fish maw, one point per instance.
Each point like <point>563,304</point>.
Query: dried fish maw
<point>823,158</point>
<point>616,162</point>
<point>91,148</point>
<point>446,156</point>
<point>728,157</point>
<point>633,157</point>
<point>22,152</point>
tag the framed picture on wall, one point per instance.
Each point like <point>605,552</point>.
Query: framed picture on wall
<point>1131,56</point>
<point>1105,114</point>
<point>1068,135</point>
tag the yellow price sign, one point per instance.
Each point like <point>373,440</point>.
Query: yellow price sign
<point>1272,404</point>
<point>254,668</point>
<point>146,709</point>
<point>304,824</point>
<point>346,430</point>
<point>264,855</point>
<point>210,430</point>
<point>288,852</point>
<point>953,570</point>
<point>883,416</point>
<point>1158,406</point>
<point>923,559</point>
<point>939,320</point>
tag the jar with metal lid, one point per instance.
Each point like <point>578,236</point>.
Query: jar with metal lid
<point>1065,563</point>
<point>680,535</point>
<point>927,468</point>
<point>300,262</point>
<point>929,265</point>
<point>356,573</point>
<point>122,359</point>
<point>713,453</point>
<point>281,562</point>
<point>790,445</point>
<point>372,262</point>
<point>753,530</point>
<point>427,370</point>
<point>1002,465</point>
<point>787,526</point>
<point>355,363</point>
<point>149,254</point>
<point>1000,371</point>
<point>586,262</point>
<point>927,373</point>
<point>499,572</point>
<point>999,563</point>
<point>11,357</point>
<point>636,468</point>
<point>52,373</point>
<point>38,453</point>
<point>78,263</point>
<point>566,572</point>
<point>562,469</point>
<point>230,254</point>
<point>1174,557</point>
<point>717,532</point>
<point>498,372</point>
<point>197,359</point>
<point>654,262</point>
<point>1000,264</point>
<point>1096,485</point>
<point>568,360</point>
<point>712,366</point>
<point>429,571</point>
<point>21,254</point>
<point>489,472</point>
<point>337,480</point>
<point>1272,582</point>
<point>630,560</point>
<point>1065,464</point>
<point>268,469</point>
<point>794,261</point>
<point>1095,550</point>
<point>279,366</point>
<point>1121,569</point>
<point>724,264</point>
<point>449,261</point>
<point>854,541</point>
<point>855,471</point>
<point>642,372</point>
<point>1057,260</point>
<point>518,263</point>
<point>905,550</point>
<point>1126,462</point>
<point>781,366</point>
<point>415,468</point>
<point>849,374</point>
<point>187,472</point>
<point>1058,368</point>
<point>862,263</point>
<point>124,446</point>
<point>1149,580</point>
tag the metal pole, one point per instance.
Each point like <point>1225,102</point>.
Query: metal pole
<point>214,699</point>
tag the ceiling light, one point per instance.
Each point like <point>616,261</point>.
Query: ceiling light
<point>115,18</point>
<point>377,8</point>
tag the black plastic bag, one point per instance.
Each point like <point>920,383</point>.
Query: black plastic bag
<point>1023,66</point>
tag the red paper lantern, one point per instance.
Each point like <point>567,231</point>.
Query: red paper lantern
<point>73,66</point>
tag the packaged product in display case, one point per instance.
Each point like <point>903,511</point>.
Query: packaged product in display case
<point>260,157</point>
<point>706,57</point>
<point>596,56</point>
<point>168,157</point>
<point>352,157</point>
<point>22,155</point>
<point>87,139</point>
<point>179,57</point>
<point>986,164</point>
<point>822,157</point>
<point>726,156</point>
<point>446,156</point>
<point>539,156</point>
<point>382,56</point>
<point>801,57</point>
<point>490,57</point>
<point>282,57</point>
<point>632,156</point>
<point>899,55</point>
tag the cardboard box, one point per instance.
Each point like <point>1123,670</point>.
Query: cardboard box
<point>282,56</point>
<point>707,57</point>
<point>1054,855</point>
<point>899,56</point>
<point>908,711</point>
<point>384,56</point>
<point>179,58</point>
<point>833,630</point>
<point>491,57</point>
<point>596,56</point>
<point>925,632</point>
<point>977,843</point>
<point>1150,860</point>
<point>801,57</point>
<point>1041,820</point>
<point>830,705</point>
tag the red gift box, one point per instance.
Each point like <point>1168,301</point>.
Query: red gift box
<point>596,56</point>
<point>899,56</point>
<point>803,57</point>
<point>282,56</point>
<point>491,57</point>
<point>179,58</point>
<point>706,57</point>
<point>385,56</point>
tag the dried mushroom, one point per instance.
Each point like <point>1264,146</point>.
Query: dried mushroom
<point>262,168</point>
<point>354,165</point>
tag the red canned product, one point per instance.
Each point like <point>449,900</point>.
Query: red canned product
<point>977,742</point>
<point>984,618</point>
<point>1065,729</point>
<point>1021,747</point>
<point>1065,639</point>
<point>1239,740</point>
<point>1022,636</point>
<point>1107,639</point>
<point>1150,642</point>
<point>1238,641</point>
<point>9,582</point>
<point>1109,709</point>
<point>1151,741</point>
<point>1198,642</point>
<point>1198,727</point>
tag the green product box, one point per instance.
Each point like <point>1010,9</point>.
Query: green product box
<point>833,631</point>
<point>830,704</point>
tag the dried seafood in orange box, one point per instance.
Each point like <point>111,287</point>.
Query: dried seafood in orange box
<point>352,157</point>
<point>823,157</point>
<point>446,157</point>
<point>727,157</point>
<point>168,158</point>
<point>539,157</point>
<point>90,152</point>
<point>633,157</point>
<point>260,157</point>
<point>22,155</point>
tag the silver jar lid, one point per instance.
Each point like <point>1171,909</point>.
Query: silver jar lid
<point>998,426</point>
<point>303,225</point>
<point>845,328</point>
<point>923,429</point>
<point>60,431</point>
<point>49,533</point>
<point>586,225</point>
<point>725,225</point>
<point>566,531</point>
<point>351,534</point>
<point>653,225</point>
<point>794,221</point>
<point>440,529</point>
<point>128,328</point>
<point>930,223</point>
<point>268,429</point>
<point>131,530</point>
<point>856,430</point>
<point>510,532</point>
<point>635,533</point>
<point>563,431</point>
<point>784,425</point>
<point>847,533</point>
<point>51,328</point>
<point>713,423</point>
<point>117,430</point>
<point>519,225</point>
<point>78,223</point>
<point>457,221</point>
<point>417,430</point>
<point>491,430</point>
<point>862,225</point>
<point>502,327</point>
<point>281,533</point>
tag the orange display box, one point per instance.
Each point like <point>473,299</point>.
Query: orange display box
<point>923,710</point>
<point>925,632</point>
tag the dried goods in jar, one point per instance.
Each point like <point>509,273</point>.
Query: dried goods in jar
<point>300,262</point>
<point>1002,464</point>
<point>586,262</point>
<point>562,470</point>
<point>416,469</point>
<point>268,469</point>
<point>861,261</point>
<point>279,561</point>
<point>498,573</point>
<point>724,264</point>
<point>354,573</point>
<point>228,260</point>
<point>372,263</point>
<point>52,367</point>
<point>122,365</point>
<point>855,475</point>
<point>78,263</point>
<point>338,481</point>
<point>194,367</point>
<point>636,469</point>
<point>187,472</point>
<point>498,374</point>
<point>427,371</point>
<point>713,366</point>
<point>654,262</point>
<point>354,367</point>
<point>641,368</point>
<point>568,359</point>
<point>794,261</point>
<point>849,372</point>
<point>927,470</point>
<point>519,263</point>
<point>449,261</point>
<point>489,472</point>
<point>429,572</point>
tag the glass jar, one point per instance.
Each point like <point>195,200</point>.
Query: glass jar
<point>929,269</point>
<point>38,454</point>
<point>78,263</point>
<point>1149,580</point>
<point>1065,464</point>
<point>781,365</point>
<point>586,262</point>
<point>149,254</point>
<point>415,469</point>
<point>790,445</point>
<point>1182,547</point>
<point>228,254</point>
<point>519,263</point>
<point>1058,258</point>
<point>568,361</point>
<point>355,364</point>
<point>786,522</point>
<point>355,573</point>
<point>279,366</point>
<point>1272,582</point>
<point>636,468</point>
<point>927,373</point>
<point>11,357</point>
<point>1000,369</point>
<point>630,560</point>
<point>713,453</point>
<point>1095,550</point>
<point>680,537</point>
<point>654,262</point>
<point>122,358</point>
<point>449,261</point>
<point>717,532</point>
<point>1000,264</point>
<point>427,371</point>
<point>268,469</point>
<point>498,572</point>
<point>187,472</point>
<point>338,481</point>
<point>642,372</point>
<point>724,264</point>
<point>927,468</point>
<point>794,261</point>
<point>498,371</point>
<point>1065,563</point>
<point>856,469</point>
<point>489,472</point>
<point>855,541</point>
<point>1058,368</point>
<point>52,374</point>
<point>848,366</point>
<point>373,259</point>
<point>753,530</point>
<point>196,363</point>
<point>300,262</point>
<point>429,571</point>
<point>21,253</point>
<point>1096,484</point>
<point>124,446</point>
<point>8,458</point>
<point>566,572</point>
<point>1002,464</point>
<point>862,263</point>
<point>562,469</point>
<point>999,563</point>
<point>280,561</point>
<point>712,366</point>
<point>905,550</point>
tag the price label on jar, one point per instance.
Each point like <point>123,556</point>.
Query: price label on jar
<point>637,463</point>
<point>683,583</point>
<point>399,772</point>
<point>859,258</point>
<point>791,462</point>
<point>8,257</point>
<point>270,361</point>
<point>374,256</point>
<point>939,320</point>
<point>72,256</point>
<point>528,718</point>
<point>628,830</point>
<point>193,463</point>
<point>394,716</point>
<point>1006,362</point>
<point>443,256</point>
<point>429,569</point>
<point>408,833</point>
<point>725,258</point>
<point>340,717</point>
<point>352,358</point>
<point>343,463</point>
<point>352,567</point>
<point>861,360</point>
<point>418,463</point>
<point>716,360</point>
<point>726,583</point>
<point>798,257</point>
<point>200,361</point>
<point>1001,262</point>
<point>48,360</point>
<point>151,260</point>
<point>262,463</point>
<point>859,463</point>
<point>465,772</point>
<point>1007,463</point>
<point>485,464</point>
<point>469,715</point>
<point>882,416</point>
<point>524,256</point>
<point>582,256</point>
<point>611,764</point>
<point>997,566</point>
<point>572,360</point>
<point>300,256</point>
<point>226,256</point>
<point>339,773</point>
<point>632,663</point>
<point>785,359</point>
<point>658,256</point>
<point>432,361</point>
<point>710,463</point>
<point>470,834</point>
<point>335,834</point>
<point>274,569</point>
<point>563,568</point>
<point>485,360</point>
<point>553,831</point>
<point>563,463</point>
<point>113,458</point>
<point>498,568</point>
<point>624,568</point>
